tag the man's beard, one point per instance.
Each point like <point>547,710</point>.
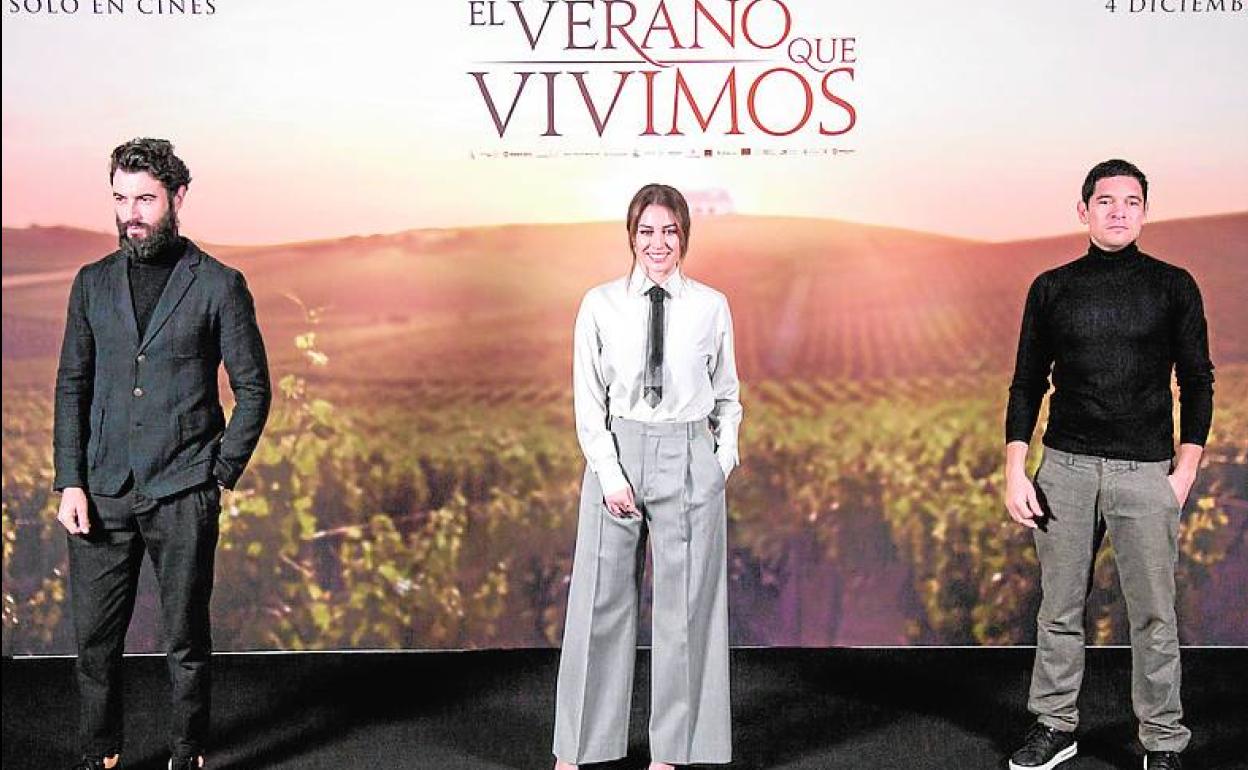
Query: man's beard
<point>160,237</point>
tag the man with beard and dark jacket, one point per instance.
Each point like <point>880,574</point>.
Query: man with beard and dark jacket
<point>142,447</point>
<point>1111,328</point>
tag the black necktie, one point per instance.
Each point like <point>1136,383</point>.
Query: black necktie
<point>652,389</point>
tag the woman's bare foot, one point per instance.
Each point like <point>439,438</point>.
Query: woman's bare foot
<point>661,766</point>
<point>561,765</point>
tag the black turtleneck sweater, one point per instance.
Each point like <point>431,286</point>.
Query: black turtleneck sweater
<point>147,281</point>
<point>1112,326</point>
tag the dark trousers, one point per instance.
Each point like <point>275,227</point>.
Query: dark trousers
<point>180,533</point>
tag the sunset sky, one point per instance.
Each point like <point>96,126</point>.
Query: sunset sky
<point>314,119</point>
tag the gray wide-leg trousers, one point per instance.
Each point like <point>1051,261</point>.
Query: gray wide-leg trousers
<point>679,488</point>
<point>1083,497</point>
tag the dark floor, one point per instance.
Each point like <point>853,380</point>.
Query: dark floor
<point>836,708</point>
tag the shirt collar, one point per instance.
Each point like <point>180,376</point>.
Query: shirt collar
<point>639,283</point>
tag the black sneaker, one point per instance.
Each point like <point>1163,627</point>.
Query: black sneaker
<point>1162,760</point>
<point>1044,748</point>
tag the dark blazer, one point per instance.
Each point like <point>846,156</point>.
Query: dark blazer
<point>151,406</point>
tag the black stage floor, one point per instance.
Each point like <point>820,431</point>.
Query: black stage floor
<point>837,708</point>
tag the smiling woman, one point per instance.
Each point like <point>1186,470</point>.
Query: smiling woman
<point>658,230</point>
<point>657,412</point>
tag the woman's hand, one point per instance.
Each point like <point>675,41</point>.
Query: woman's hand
<point>621,504</point>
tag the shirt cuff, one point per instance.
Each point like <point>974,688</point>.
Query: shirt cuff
<point>611,478</point>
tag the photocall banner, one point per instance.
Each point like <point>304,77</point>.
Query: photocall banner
<point>419,194</point>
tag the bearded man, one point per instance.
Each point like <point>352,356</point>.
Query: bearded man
<point>142,448</point>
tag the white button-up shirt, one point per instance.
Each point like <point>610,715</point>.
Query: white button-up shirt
<point>608,367</point>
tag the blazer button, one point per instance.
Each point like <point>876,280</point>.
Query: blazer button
<point>138,392</point>
<point>141,358</point>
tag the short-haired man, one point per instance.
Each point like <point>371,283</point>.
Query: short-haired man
<point>1112,326</point>
<point>141,445</point>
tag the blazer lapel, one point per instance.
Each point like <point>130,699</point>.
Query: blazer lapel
<point>179,281</point>
<point>120,276</point>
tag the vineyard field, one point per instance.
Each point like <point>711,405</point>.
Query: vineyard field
<point>417,485</point>
<point>864,512</point>
<point>811,299</point>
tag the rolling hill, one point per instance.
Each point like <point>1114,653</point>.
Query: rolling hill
<point>811,298</point>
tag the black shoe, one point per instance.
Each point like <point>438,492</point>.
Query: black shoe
<point>188,763</point>
<point>1044,748</point>
<point>89,763</point>
<point>1162,760</point>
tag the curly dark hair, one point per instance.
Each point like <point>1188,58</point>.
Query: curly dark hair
<point>1113,167</point>
<point>155,156</point>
